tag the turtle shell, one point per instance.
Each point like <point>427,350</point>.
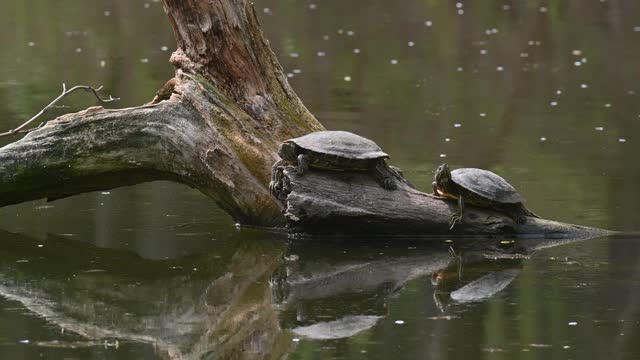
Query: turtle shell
<point>340,143</point>
<point>486,184</point>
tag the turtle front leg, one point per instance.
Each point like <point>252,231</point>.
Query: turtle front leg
<point>274,176</point>
<point>384,175</point>
<point>457,217</point>
<point>303,164</point>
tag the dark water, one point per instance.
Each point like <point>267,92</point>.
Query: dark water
<point>545,93</point>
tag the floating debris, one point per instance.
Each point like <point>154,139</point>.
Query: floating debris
<point>347,78</point>
<point>294,55</point>
<point>107,13</point>
<point>573,323</point>
<point>411,43</point>
<point>428,23</point>
<point>447,139</point>
<point>144,60</point>
<point>399,322</point>
<point>584,86</point>
<point>295,340</point>
<point>443,155</point>
<point>356,51</point>
<point>499,68</point>
<point>164,48</point>
<point>321,53</point>
<point>576,52</point>
<point>313,6</point>
<point>607,105</point>
<point>483,51</point>
<point>622,140</point>
<point>394,61</point>
<point>553,103</point>
<point>542,138</point>
<point>599,128</point>
<point>297,71</point>
<point>457,125</point>
<point>483,114</point>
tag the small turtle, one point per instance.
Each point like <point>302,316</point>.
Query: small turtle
<point>479,188</point>
<point>337,150</point>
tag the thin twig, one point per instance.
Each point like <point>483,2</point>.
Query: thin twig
<point>52,105</point>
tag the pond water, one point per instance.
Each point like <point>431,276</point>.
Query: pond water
<point>546,93</point>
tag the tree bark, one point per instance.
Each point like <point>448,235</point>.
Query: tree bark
<point>215,126</point>
<point>352,202</point>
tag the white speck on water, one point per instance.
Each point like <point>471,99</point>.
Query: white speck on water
<point>147,5</point>
<point>25,341</point>
<point>411,43</point>
<point>457,125</point>
<point>321,53</point>
<point>524,55</point>
<point>428,23</point>
<point>356,51</point>
<point>599,128</point>
<point>499,68</point>
<point>347,78</point>
<point>326,37</point>
<point>31,44</point>
<point>78,50</point>
<point>40,245</point>
<point>295,340</point>
<point>543,9</point>
<point>542,138</point>
<point>573,323</point>
<point>350,33</point>
<point>460,68</point>
<point>459,5</point>
<point>483,114</point>
<point>399,322</point>
<point>394,61</point>
<point>577,63</point>
<point>483,51</point>
<point>164,48</point>
<point>443,155</point>
<point>553,103</point>
<point>576,52</point>
<point>494,31</point>
<point>447,139</point>
<point>313,6</point>
<point>107,13</point>
<point>266,10</point>
<point>559,92</point>
<point>297,71</point>
<point>340,31</point>
<point>584,60</point>
<point>636,28</point>
<point>622,140</point>
<point>607,105</point>
<point>290,75</point>
<point>566,347</point>
<point>460,12</point>
<point>106,193</point>
<point>506,7</point>
<point>144,60</point>
<point>448,241</point>
<point>294,55</point>
<point>584,86</point>
<point>531,43</point>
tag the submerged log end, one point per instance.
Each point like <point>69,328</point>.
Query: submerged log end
<point>353,203</point>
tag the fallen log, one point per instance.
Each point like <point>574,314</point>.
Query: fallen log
<point>353,203</point>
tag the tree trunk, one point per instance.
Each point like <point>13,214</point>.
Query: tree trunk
<point>352,202</point>
<point>215,126</point>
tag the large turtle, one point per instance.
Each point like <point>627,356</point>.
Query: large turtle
<point>479,188</point>
<point>336,150</point>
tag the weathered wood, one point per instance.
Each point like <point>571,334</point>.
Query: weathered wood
<point>351,202</point>
<point>215,126</point>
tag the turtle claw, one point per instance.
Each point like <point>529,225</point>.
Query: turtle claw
<point>453,219</point>
<point>389,184</point>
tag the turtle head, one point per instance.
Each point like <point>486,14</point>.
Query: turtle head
<point>442,175</point>
<point>288,151</point>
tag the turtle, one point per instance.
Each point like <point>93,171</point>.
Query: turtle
<point>481,188</point>
<point>338,151</point>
